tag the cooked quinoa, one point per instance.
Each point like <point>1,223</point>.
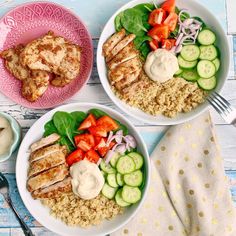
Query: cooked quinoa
<point>170,98</point>
<point>75,211</point>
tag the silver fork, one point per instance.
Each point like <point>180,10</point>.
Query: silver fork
<point>4,190</point>
<point>223,107</point>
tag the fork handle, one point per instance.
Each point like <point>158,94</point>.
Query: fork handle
<point>27,231</point>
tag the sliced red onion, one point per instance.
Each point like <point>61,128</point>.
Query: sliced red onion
<point>181,35</point>
<point>110,136</point>
<point>187,37</point>
<point>197,22</point>
<point>118,138</point>
<point>187,22</point>
<point>108,156</point>
<point>121,148</point>
<point>178,48</point>
<point>173,49</point>
<point>99,161</point>
<point>119,132</point>
<point>181,12</point>
<point>130,140</point>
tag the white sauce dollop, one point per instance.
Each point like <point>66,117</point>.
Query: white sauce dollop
<point>87,180</point>
<point>6,135</point>
<point>161,65</point>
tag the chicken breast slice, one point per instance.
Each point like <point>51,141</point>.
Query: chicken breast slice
<point>128,79</point>
<point>123,69</point>
<point>126,54</point>
<point>123,43</point>
<point>13,64</point>
<point>43,152</point>
<point>54,190</point>
<point>43,142</point>
<point>48,162</point>
<point>34,86</point>
<point>112,42</point>
<point>47,178</point>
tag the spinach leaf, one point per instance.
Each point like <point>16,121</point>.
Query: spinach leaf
<point>65,141</point>
<point>144,49</point>
<point>118,25</point>
<point>138,41</point>
<point>65,124</point>
<point>122,127</point>
<point>97,113</point>
<point>49,128</point>
<point>145,8</point>
<point>78,117</point>
<point>132,21</point>
<point>175,33</point>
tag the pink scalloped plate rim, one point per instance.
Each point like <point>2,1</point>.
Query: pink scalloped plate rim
<point>32,20</point>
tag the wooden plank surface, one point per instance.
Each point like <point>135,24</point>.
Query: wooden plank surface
<point>95,14</point>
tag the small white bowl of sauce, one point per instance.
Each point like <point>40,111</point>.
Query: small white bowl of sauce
<point>10,136</point>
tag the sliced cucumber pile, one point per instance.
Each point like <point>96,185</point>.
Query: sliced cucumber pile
<point>123,178</point>
<point>200,62</point>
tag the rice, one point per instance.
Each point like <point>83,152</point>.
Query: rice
<point>75,211</point>
<point>170,98</point>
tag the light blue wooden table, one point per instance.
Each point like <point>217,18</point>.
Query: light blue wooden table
<point>95,13</point>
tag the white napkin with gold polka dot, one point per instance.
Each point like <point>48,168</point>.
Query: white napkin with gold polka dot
<point>189,192</point>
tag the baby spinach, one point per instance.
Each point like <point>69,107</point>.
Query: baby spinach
<point>144,49</point>
<point>78,117</point>
<point>200,20</point>
<point>65,141</point>
<point>118,25</point>
<point>49,128</point>
<point>145,8</point>
<point>138,41</point>
<point>97,113</point>
<point>65,124</point>
<point>132,22</point>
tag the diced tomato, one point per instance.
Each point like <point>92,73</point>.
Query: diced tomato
<point>103,150</point>
<point>100,144</point>
<point>154,44</point>
<point>98,131</point>
<point>74,157</point>
<point>84,146</point>
<point>92,156</point>
<point>169,6</point>
<point>87,138</point>
<point>168,43</point>
<point>156,17</point>
<point>107,123</point>
<point>171,21</point>
<point>88,122</point>
<point>159,32</point>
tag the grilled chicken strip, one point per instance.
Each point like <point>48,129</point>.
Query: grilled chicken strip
<point>43,142</point>
<point>123,43</point>
<point>128,79</point>
<point>123,69</point>
<point>47,178</point>
<point>112,41</point>
<point>54,190</point>
<point>46,151</point>
<point>126,54</point>
<point>50,161</point>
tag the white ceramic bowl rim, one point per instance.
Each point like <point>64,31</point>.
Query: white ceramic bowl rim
<point>35,208</point>
<point>207,16</point>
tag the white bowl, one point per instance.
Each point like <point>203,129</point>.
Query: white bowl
<point>41,213</point>
<point>195,9</point>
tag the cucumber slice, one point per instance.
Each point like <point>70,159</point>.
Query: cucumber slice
<point>190,75</point>
<point>178,72</point>
<point>104,174</point>
<point>108,191</point>
<point>120,179</point>
<point>125,165</point>
<point>137,158</point>
<point>208,52</point>
<point>119,199</point>
<point>107,168</point>
<point>131,194</point>
<point>216,62</point>
<point>206,37</point>
<point>186,64</point>
<point>206,69</point>
<point>134,179</point>
<point>111,180</point>
<point>207,84</point>
<point>114,159</point>
<point>190,52</point>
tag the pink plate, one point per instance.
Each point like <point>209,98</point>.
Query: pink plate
<point>29,21</point>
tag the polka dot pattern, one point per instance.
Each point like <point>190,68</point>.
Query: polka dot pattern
<point>188,194</point>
